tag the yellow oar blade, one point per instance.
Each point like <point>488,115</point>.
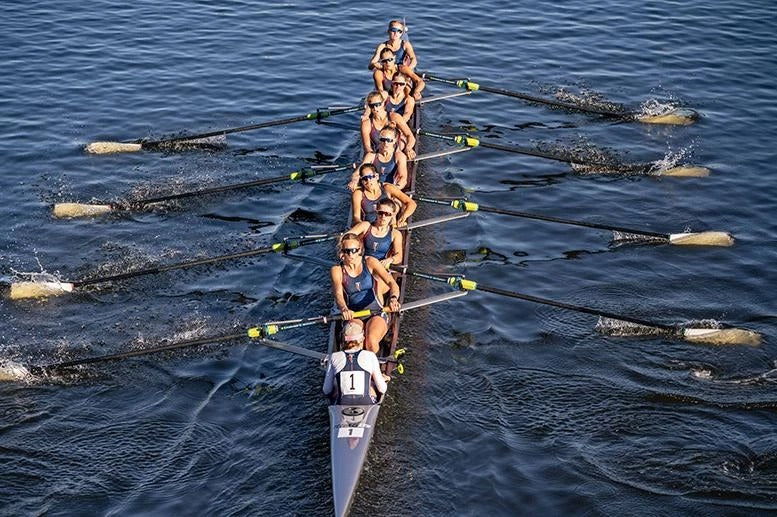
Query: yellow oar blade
<point>11,371</point>
<point>702,239</point>
<point>70,210</point>
<point>22,290</point>
<point>685,171</point>
<point>722,336</point>
<point>112,147</point>
<point>678,117</point>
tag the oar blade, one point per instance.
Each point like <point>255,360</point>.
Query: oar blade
<point>685,171</point>
<point>727,336</point>
<point>710,238</point>
<point>73,210</point>
<point>25,290</point>
<point>677,117</point>
<point>112,147</point>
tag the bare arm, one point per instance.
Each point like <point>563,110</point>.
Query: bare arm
<point>410,53</point>
<point>365,131</point>
<point>336,273</point>
<point>406,132</point>
<point>356,206</point>
<point>395,254</point>
<point>377,269</point>
<point>418,83</point>
<point>400,175</point>
<point>360,228</point>
<point>374,62</point>
<point>377,77</point>
<point>408,204</point>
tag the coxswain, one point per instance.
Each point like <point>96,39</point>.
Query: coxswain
<point>380,239</point>
<point>362,283</point>
<point>364,200</point>
<point>354,372</point>
<point>403,50</point>
<point>378,118</point>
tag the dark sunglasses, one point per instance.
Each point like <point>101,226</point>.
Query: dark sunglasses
<point>398,84</point>
<point>387,60</point>
<point>394,29</point>
<point>374,104</point>
<point>384,213</point>
<point>385,139</point>
<point>351,251</point>
<point>367,177</point>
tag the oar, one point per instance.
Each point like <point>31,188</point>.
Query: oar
<point>708,238</point>
<point>21,290</point>
<point>137,145</point>
<point>720,336</point>
<point>651,169</point>
<point>70,210</point>
<point>14,371</point>
<point>680,116</point>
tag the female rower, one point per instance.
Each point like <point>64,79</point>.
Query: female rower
<point>388,69</point>
<point>390,162</point>
<point>360,283</point>
<point>379,239</point>
<point>405,55</point>
<point>364,201</point>
<point>399,100</point>
<point>378,118</point>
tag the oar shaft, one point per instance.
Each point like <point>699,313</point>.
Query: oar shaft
<point>294,176</point>
<point>277,247</point>
<point>146,351</point>
<point>470,86</point>
<point>316,115</point>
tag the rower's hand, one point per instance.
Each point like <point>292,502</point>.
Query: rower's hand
<point>401,223</point>
<point>386,378</point>
<point>347,314</point>
<point>410,153</point>
<point>387,263</point>
<point>384,94</point>
<point>353,185</point>
<point>394,305</point>
<point>417,96</point>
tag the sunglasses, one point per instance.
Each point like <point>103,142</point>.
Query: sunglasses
<point>367,177</point>
<point>375,104</point>
<point>394,29</point>
<point>351,251</point>
<point>384,213</point>
<point>385,139</point>
<point>398,84</point>
<point>387,60</point>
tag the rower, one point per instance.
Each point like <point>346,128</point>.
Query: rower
<point>353,376</point>
<point>364,200</point>
<point>405,55</point>
<point>378,118</point>
<point>390,162</point>
<point>385,74</point>
<point>379,239</point>
<point>360,283</point>
<point>399,100</point>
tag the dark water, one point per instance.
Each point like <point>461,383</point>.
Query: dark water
<point>507,407</point>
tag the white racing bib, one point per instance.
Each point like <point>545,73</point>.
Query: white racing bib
<point>352,382</point>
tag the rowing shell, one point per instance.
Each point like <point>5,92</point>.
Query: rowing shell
<point>352,427</point>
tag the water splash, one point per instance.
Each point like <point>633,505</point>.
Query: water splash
<point>620,328</point>
<point>13,371</point>
<point>621,238</point>
<point>590,99</point>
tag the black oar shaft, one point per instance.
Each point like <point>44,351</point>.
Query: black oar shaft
<point>466,84</point>
<point>316,115</point>
<point>278,247</point>
<point>467,140</point>
<point>139,352</point>
<point>471,285</point>
<point>296,175</point>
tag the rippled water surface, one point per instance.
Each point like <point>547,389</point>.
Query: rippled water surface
<point>507,407</point>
